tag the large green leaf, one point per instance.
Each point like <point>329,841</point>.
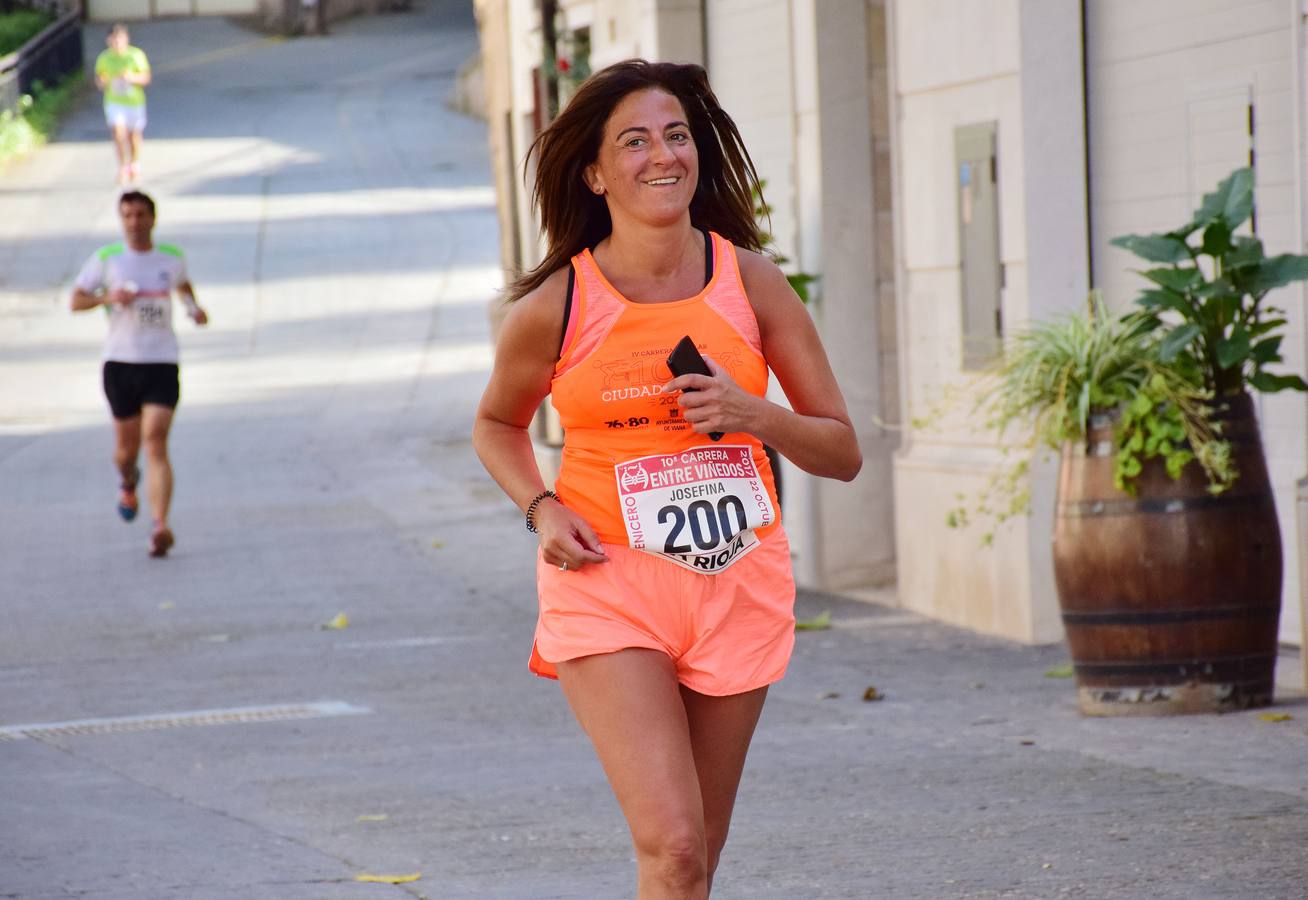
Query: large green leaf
<point>1163,299</point>
<point>1217,238</point>
<point>1160,248</point>
<point>1277,271</point>
<point>1248,251</point>
<point>1232,201</point>
<point>1173,279</point>
<point>1177,340</point>
<point>1233,349</point>
<point>1267,351</point>
<point>1147,323</point>
<point>1216,288</point>
<point>1221,310</point>
<point>1270,384</point>
<point>1262,326</point>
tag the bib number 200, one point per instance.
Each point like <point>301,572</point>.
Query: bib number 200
<point>698,508</point>
<point>710,526</point>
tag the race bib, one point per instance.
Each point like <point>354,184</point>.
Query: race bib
<point>151,312</point>
<point>698,508</point>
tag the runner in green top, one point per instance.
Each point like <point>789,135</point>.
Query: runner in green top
<point>122,72</point>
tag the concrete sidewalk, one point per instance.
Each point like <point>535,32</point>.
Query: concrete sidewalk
<point>340,228</point>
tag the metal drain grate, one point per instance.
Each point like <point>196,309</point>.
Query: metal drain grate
<point>235,716</point>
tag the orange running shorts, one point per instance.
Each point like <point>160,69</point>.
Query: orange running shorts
<point>727,633</point>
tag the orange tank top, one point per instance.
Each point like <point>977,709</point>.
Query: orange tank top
<point>632,466</point>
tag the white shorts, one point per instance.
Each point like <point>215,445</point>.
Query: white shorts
<point>130,117</point>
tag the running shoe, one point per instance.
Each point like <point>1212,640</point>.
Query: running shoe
<point>127,502</point>
<point>161,541</point>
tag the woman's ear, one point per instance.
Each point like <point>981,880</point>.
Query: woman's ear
<point>592,180</point>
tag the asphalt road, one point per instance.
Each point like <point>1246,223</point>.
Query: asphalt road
<point>339,225</point>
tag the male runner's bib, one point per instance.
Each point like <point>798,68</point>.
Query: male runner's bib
<point>141,332</point>
<point>632,466</point>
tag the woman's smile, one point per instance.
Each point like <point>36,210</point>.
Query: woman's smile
<point>647,164</point>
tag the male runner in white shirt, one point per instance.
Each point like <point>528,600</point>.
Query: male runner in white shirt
<point>134,281</point>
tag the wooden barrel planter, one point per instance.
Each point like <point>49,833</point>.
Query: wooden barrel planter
<point>1170,598</point>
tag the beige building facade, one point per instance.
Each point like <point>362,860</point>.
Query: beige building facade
<point>1006,78</point>
<point>1110,117</point>
<point>952,169</point>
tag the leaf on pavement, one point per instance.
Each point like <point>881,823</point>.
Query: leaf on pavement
<point>341,621</point>
<point>387,879</point>
<point>872,694</point>
<point>1276,717</point>
<point>819,623</point>
<point>1064,671</point>
<point>373,817</point>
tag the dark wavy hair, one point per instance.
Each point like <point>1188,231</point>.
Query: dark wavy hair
<point>573,218</point>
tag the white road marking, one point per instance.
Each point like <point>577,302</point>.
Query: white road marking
<point>152,721</point>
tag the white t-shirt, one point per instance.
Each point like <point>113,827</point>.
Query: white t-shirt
<point>143,331</point>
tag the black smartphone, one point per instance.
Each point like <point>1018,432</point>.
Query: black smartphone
<point>685,360</point>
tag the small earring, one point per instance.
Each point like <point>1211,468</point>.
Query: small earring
<point>599,191</point>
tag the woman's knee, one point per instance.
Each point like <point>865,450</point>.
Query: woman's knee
<point>677,856</point>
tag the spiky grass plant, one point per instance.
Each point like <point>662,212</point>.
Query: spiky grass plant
<point>1056,375</point>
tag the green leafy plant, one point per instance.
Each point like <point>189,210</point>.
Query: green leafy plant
<point>29,126</point>
<point>1208,295</point>
<point>573,63</point>
<point>19,26</point>
<point>1205,333</point>
<point>799,281</point>
<point>1063,370</point>
<point>1056,375</point>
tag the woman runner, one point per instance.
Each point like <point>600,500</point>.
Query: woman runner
<point>664,575</point>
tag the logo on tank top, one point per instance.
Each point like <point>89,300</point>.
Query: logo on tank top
<point>643,373</point>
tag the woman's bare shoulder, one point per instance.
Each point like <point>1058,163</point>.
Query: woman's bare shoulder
<point>765,283</point>
<point>541,308</point>
<point>752,261</point>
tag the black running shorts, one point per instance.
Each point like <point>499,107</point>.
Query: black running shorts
<point>131,385</point>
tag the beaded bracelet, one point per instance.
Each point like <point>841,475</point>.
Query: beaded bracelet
<point>535,502</point>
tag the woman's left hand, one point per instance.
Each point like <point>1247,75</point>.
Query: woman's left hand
<point>714,402</point>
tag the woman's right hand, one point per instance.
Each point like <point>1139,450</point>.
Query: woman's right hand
<point>566,539</point>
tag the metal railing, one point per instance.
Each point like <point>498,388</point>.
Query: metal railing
<point>46,58</point>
